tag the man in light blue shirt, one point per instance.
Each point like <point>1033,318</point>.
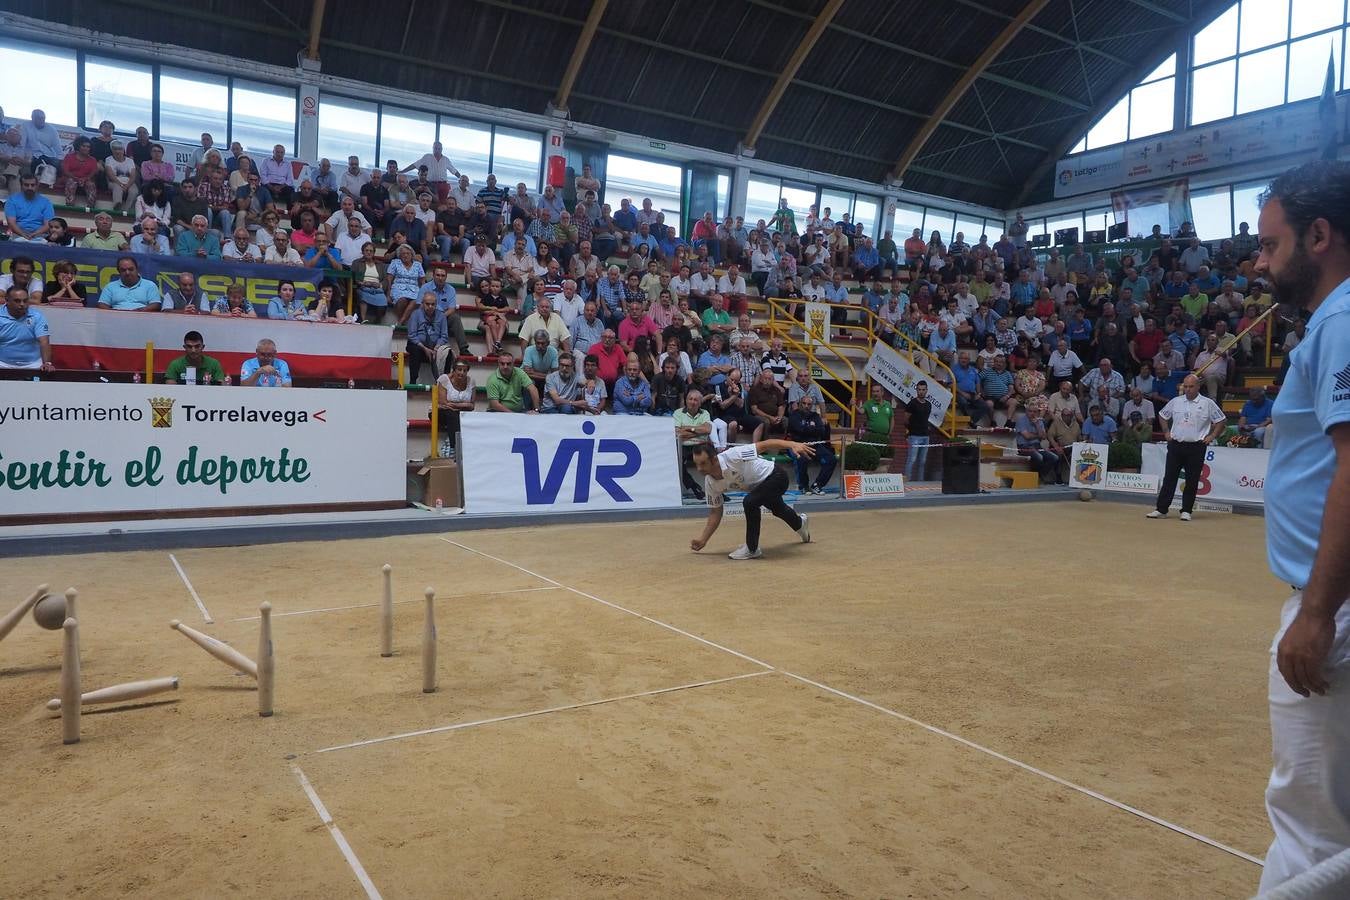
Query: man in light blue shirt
<point>149,241</point>
<point>130,292</point>
<point>265,369</point>
<point>25,338</point>
<point>41,140</point>
<point>28,213</point>
<point>942,338</point>
<point>1305,253</point>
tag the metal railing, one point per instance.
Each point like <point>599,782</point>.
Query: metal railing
<point>778,327</point>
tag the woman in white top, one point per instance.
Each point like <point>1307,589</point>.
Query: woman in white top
<point>239,177</point>
<point>454,395</point>
<point>120,170</point>
<point>154,201</point>
<point>673,347</point>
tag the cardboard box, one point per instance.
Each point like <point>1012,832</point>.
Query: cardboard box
<point>443,482</point>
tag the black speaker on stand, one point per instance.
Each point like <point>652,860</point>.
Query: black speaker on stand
<point>961,469</point>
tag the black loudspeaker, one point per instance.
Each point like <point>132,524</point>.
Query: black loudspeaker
<point>961,469</point>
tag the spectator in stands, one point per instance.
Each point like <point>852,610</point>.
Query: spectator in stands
<point>1032,440</point>
<point>1255,418</point>
<point>1216,366</point>
<point>41,141</point>
<point>802,386</point>
<point>563,389</point>
<point>13,159</point>
<point>340,221</point>
<point>187,297</point>
<point>139,149</point>
<point>403,280</point>
<point>131,291</point>
<point>1060,437</point>
<point>636,324</point>
<point>715,319</point>
<point>805,426</point>
<point>28,213</point>
<point>1193,257</point>
<point>157,169</point>
<point>234,304</point>
<point>265,368</point>
<point>103,237</point>
<point>632,393</point>
<point>1104,374</point>
<point>918,427</point>
<point>996,390</point>
<point>276,175</point>
<point>668,387</point>
<point>25,336</point>
<point>492,307</point>
<point>286,304</point>
<point>187,204</point>
<point>544,319</point>
<point>1099,427</point>
<point>587,329</point>
<point>428,336</point>
<point>198,241</point>
<point>154,201</point>
<point>866,261</point>
<point>767,402</point>
<point>63,288</point>
<point>281,252</point>
<point>322,255</point>
<point>368,274</point>
<point>241,248</point>
<point>194,366</point>
<point>508,387</point>
<point>610,356</point>
<point>58,233</point>
<point>78,169</point>
<point>149,241</point>
<point>456,395</point>
<point>693,426</point>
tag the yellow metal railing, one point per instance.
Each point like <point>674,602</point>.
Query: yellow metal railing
<point>781,325</point>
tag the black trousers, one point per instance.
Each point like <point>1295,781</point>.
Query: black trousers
<point>1188,455</point>
<point>768,494</point>
<point>417,356</point>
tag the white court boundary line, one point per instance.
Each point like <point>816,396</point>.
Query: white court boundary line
<point>309,612</point>
<point>890,712</point>
<point>191,590</point>
<point>460,726</point>
<point>339,838</point>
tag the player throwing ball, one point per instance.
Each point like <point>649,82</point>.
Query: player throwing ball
<point>739,468</point>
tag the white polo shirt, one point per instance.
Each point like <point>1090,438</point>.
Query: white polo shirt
<point>742,469</point>
<point>1191,420</point>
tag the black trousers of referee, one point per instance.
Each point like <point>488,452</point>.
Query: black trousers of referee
<point>768,494</point>
<point>1188,455</point>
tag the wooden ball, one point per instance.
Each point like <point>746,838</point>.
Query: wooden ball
<point>50,612</point>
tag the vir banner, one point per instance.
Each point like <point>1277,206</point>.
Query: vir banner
<point>1230,473</point>
<point>899,375</point>
<point>82,449</point>
<point>515,462</point>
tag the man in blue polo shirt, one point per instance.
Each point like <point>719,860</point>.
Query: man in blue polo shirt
<point>28,213</point>
<point>130,291</point>
<point>25,341</point>
<point>1305,253</point>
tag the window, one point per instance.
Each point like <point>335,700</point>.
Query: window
<point>1145,110</point>
<point>942,221</point>
<point>1261,80</point>
<point>518,155</point>
<point>190,103</point>
<point>1308,64</point>
<point>866,210</point>
<point>1264,22</point>
<point>1035,227</point>
<point>469,146</point>
<point>761,198</point>
<point>53,93</point>
<point>1212,214</point>
<point>1217,40</point>
<point>995,227</point>
<point>1065,221</point>
<point>1311,16</point>
<point>1141,219</point>
<point>118,91</point>
<point>723,195</point>
<point>262,116</point>
<point>1099,219</point>
<point>971,229</point>
<point>347,128</point>
<point>639,179</point>
<point>1212,92</point>
<point>406,136</point>
<point>1112,128</point>
<point>800,197</point>
<point>1244,203</point>
<point>907,218</point>
<point>837,202</point>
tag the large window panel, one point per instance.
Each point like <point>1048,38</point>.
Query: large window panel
<point>723,196</point>
<point>1261,80</point>
<point>640,179</point>
<point>1308,64</point>
<point>262,116</point>
<point>1216,40</point>
<point>1099,219</point>
<point>761,199</point>
<point>1111,128</point>
<point>469,146</point>
<point>518,155</point>
<point>1065,221</point>
<point>1264,22</point>
<point>1310,16</point>
<point>943,221</point>
<point>119,91</point>
<point>1141,219</point>
<point>347,128</point>
<point>1212,92</point>
<point>190,103</point>
<point>1245,208</point>
<point>1151,108</point>
<point>800,197</point>
<point>406,136</point>
<point>1211,214</point>
<point>50,87</point>
<point>971,229</point>
<point>906,219</point>
<point>837,202</point>
<point>866,210</point>
<point>1166,69</point>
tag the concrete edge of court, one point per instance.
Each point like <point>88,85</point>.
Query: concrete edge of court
<point>226,531</point>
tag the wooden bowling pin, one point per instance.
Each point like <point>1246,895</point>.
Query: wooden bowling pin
<point>429,645</point>
<point>13,616</point>
<point>70,682</point>
<point>219,649</point>
<point>121,693</point>
<point>387,613</point>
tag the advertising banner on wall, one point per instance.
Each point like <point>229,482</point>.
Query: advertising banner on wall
<point>1087,465</point>
<point>515,462</point>
<point>1233,474</point>
<point>899,375</point>
<point>70,449</point>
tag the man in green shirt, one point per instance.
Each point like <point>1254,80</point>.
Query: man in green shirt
<point>507,387</point>
<point>716,318</point>
<point>194,366</point>
<point>784,219</point>
<point>693,426</point>
<point>888,252</point>
<point>877,411</point>
<point>103,237</point>
<point>1195,301</point>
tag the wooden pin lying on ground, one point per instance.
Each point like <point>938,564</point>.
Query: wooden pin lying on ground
<point>219,649</point>
<point>70,682</point>
<point>266,662</point>
<point>120,693</point>
<point>387,613</point>
<point>13,616</point>
<point>429,645</point>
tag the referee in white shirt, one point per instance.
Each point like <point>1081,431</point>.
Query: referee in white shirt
<point>1191,422</point>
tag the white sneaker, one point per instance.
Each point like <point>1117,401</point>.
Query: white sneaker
<point>805,531</point>
<point>1154,514</point>
<point>1185,517</point>
<point>744,552</point>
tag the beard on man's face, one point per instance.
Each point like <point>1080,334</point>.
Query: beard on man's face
<point>1296,282</point>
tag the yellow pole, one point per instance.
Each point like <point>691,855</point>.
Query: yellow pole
<point>401,382</point>
<point>149,362</point>
<point>435,422</point>
<point>349,296</point>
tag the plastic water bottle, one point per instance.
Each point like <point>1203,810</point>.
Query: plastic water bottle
<point>228,381</point>
<point>439,504</point>
<point>136,378</point>
<point>351,383</point>
<point>97,365</point>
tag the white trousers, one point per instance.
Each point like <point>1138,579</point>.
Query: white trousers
<point>1308,797</point>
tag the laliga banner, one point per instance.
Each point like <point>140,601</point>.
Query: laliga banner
<point>517,462</point>
<point>1229,473</point>
<point>68,449</point>
<point>899,375</point>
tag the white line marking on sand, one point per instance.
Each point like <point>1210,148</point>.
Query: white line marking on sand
<point>371,891</point>
<point>459,726</point>
<point>1027,767</point>
<point>308,612</point>
<point>581,593</point>
<point>191,590</point>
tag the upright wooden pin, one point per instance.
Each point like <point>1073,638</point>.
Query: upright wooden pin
<point>219,649</point>
<point>13,616</point>
<point>70,682</point>
<point>71,596</point>
<point>429,645</point>
<point>387,613</point>
<point>266,661</point>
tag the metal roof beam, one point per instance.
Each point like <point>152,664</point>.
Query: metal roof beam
<point>794,63</point>
<point>583,46</point>
<point>964,179</point>
<point>1036,29</point>
<point>958,90</point>
<point>1158,10</point>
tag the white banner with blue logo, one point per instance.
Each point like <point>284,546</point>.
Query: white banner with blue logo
<point>518,462</point>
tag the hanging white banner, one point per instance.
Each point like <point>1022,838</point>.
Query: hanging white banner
<point>899,375</point>
<point>516,462</point>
